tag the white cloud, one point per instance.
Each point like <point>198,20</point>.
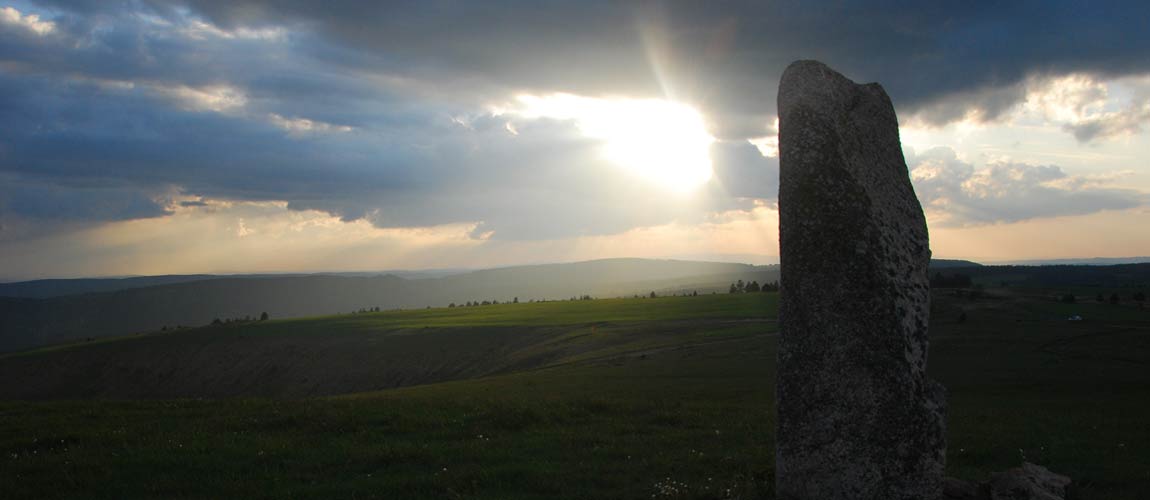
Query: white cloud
<point>1090,107</point>
<point>1067,98</point>
<point>217,98</point>
<point>197,29</point>
<point>244,236</point>
<point>30,22</point>
<point>768,145</point>
<point>955,193</point>
<point>298,126</point>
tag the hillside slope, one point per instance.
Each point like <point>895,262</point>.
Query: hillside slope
<point>365,352</point>
<point>27,323</point>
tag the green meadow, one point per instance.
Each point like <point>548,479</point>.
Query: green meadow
<point>620,398</point>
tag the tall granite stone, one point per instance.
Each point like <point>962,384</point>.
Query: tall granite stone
<point>857,417</point>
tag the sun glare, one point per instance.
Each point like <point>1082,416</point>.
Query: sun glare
<point>661,141</point>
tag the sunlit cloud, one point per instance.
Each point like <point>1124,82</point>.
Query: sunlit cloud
<point>222,236</point>
<point>237,236</point>
<point>217,98</point>
<point>304,125</point>
<point>200,30</point>
<point>664,142</point>
<point>28,22</point>
<point>1090,107</point>
<point>768,145</point>
<point>956,193</point>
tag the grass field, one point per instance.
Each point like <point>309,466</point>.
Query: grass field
<point>629,398</point>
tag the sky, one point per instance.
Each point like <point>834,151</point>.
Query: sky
<point>223,136</point>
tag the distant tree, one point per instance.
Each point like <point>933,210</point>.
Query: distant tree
<point>217,322</point>
<point>264,316</point>
<point>695,293</point>
<point>451,305</point>
<point>1114,298</point>
<point>652,294</point>
<point>495,302</point>
<point>962,317</point>
<point>1139,297</point>
<point>741,286</point>
<point>1068,298</point>
<point>733,289</point>
<point>515,300</point>
<point>1100,298</point>
<point>753,287</point>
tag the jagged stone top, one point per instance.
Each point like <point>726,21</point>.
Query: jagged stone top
<point>813,85</point>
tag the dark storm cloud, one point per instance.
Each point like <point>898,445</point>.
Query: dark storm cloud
<point>79,203</point>
<point>375,110</point>
<point>727,56</point>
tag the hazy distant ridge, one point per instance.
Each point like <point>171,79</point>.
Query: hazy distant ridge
<point>197,300</point>
<point>30,322</point>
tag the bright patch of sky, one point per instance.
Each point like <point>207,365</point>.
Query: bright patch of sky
<point>663,142</point>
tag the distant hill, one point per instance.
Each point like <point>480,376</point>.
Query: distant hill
<point>949,263</point>
<point>1133,276</point>
<point>1094,261</point>
<point>152,304</point>
<point>46,288</point>
<point>29,322</point>
<point>41,289</point>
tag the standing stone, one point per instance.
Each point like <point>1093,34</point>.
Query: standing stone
<point>857,417</point>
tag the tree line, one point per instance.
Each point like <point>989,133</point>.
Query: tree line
<point>752,287</point>
<point>246,319</point>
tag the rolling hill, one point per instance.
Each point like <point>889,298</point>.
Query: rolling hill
<point>31,322</point>
<point>166,302</point>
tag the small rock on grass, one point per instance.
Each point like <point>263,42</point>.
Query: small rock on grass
<point>1029,482</point>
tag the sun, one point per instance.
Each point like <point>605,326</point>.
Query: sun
<point>661,141</point>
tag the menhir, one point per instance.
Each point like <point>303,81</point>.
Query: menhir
<point>857,417</point>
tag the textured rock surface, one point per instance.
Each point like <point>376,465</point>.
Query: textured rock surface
<point>957,489</point>
<point>1029,482</point>
<point>857,417</point>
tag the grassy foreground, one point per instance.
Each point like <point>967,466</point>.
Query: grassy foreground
<point>683,414</point>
